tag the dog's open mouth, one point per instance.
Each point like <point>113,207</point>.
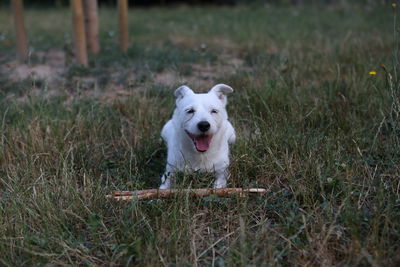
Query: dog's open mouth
<point>201,142</point>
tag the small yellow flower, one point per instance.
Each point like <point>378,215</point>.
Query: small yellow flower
<point>394,5</point>
<point>372,72</point>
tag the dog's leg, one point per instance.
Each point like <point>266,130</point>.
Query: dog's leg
<point>220,178</point>
<point>167,180</point>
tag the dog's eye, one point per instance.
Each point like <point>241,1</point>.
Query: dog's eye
<point>190,111</point>
<point>215,111</point>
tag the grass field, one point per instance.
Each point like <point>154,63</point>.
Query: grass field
<point>314,128</point>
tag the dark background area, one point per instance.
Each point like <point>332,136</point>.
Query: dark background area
<point>51,3</point>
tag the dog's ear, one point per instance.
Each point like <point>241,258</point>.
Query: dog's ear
<point>221,90</point>
<point>182,91</point>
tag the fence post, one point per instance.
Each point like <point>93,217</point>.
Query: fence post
<point>123,24</point>
<point>92,25</point>
<point>79,32</point>
<point>20,34</point>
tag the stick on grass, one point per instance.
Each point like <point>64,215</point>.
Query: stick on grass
<point>168,193</point>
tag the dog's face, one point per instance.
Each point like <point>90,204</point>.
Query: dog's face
<point>201,115</point>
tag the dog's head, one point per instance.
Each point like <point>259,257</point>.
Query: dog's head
<point>201,115</point>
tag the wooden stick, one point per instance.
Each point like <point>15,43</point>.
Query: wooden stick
<point>167,193</point>
<point>92,25</point>
<point>79,32</point>
<point>22,44</point>
<point>123,24</point>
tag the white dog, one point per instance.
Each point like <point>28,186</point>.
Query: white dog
<point>198,135</point>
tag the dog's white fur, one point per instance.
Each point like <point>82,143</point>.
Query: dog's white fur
<point>181,133</point>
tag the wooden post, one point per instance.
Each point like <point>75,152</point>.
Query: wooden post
<point>92,25</point>
<point>123,24</point>
<point>79,32</point>
<point>20,34</point>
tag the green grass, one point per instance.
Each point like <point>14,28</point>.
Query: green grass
<point>314,129</point>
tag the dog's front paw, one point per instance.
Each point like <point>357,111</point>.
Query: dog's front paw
<point>220,183</point>
<point>165,186</point>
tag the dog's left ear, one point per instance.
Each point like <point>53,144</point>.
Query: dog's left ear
<point>221,90</point>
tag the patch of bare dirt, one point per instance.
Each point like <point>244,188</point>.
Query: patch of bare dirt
<point>52,67</point>
<point>37,72</point>
<point>202,76</point>
<point>167,78</point>
<point>113,92</point>
<point>35,93</point>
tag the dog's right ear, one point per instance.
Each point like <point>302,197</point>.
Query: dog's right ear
<point>182,91</point>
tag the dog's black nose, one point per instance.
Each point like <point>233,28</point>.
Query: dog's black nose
<point>203,126</point>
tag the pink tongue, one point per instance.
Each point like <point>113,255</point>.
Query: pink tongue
<point>202,142</point>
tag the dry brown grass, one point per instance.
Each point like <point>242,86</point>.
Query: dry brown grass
<point>315,130</point>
